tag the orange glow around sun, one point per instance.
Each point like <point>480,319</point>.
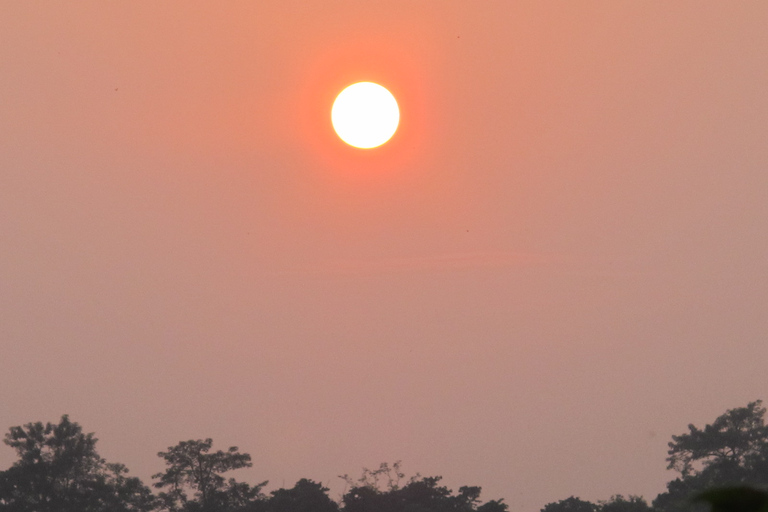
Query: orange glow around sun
<point>391,63</point>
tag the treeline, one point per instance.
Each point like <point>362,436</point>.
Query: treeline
<point>723,467</point>
<point>59,470</point>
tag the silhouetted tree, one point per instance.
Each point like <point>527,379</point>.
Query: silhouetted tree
<point>735,499</point>
<point>619,503</point>
<point>571,504</point>
<point>385,478</point>
<point>732,451</point>
<point>194,479</point>
<point>59,470</point>
<point>305,496</point>
<point>730,446</point>
<point>493,506</point>
<point>381,491</point>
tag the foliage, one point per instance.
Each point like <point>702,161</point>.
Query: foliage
<point>619,503</point>
<point>571,504</point>
<point>59,470</point>
<point>385,478</point>
<point>732,442</point>
<point>381,491</point>
<point>735,499</point>
<point>305,496</point>
<point>722,467</point>
<point>194,478</point>
<point>732,451</point>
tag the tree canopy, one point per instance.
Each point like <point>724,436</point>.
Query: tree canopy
<point>305,496</point>
<point>419,494</point>
<point>723,466</point>
<point>731,446</point>
<point>732,451</point>
<point>194,480</point>
<point>619,503</point>
<point>59,470</point>
<point>572,504</point>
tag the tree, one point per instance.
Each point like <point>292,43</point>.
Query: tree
<point>385,478</point>
<point>619,503</point>
<point>59,470</point>
<point>572,504</point>
<point>730,446</point>
<point>381,491</point>
<point>732,451</point>
<point>192,469</point>
<point>735,499</point>
<point>305,496</point>
<point>493,506</point>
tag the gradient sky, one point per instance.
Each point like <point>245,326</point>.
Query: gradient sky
<point>559,261</point>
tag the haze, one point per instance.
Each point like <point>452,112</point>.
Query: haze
<point>559,263</point>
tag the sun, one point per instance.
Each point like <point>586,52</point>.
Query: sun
<point>365,115</point>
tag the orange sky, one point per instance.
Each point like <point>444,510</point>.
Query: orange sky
<point>558,261</point>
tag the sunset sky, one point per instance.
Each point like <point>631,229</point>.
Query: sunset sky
<point>558,261</point>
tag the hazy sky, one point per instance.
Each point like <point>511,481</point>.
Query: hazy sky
<point>559,261</point>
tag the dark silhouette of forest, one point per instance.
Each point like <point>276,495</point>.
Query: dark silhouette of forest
<point>722,467</point>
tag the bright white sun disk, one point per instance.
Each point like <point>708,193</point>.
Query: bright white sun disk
<point>365,115</point>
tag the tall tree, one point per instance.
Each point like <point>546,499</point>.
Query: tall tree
<point>730,446</point>
<point>194,478</point>
<point>59,470</point>
<point>733,450</point>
